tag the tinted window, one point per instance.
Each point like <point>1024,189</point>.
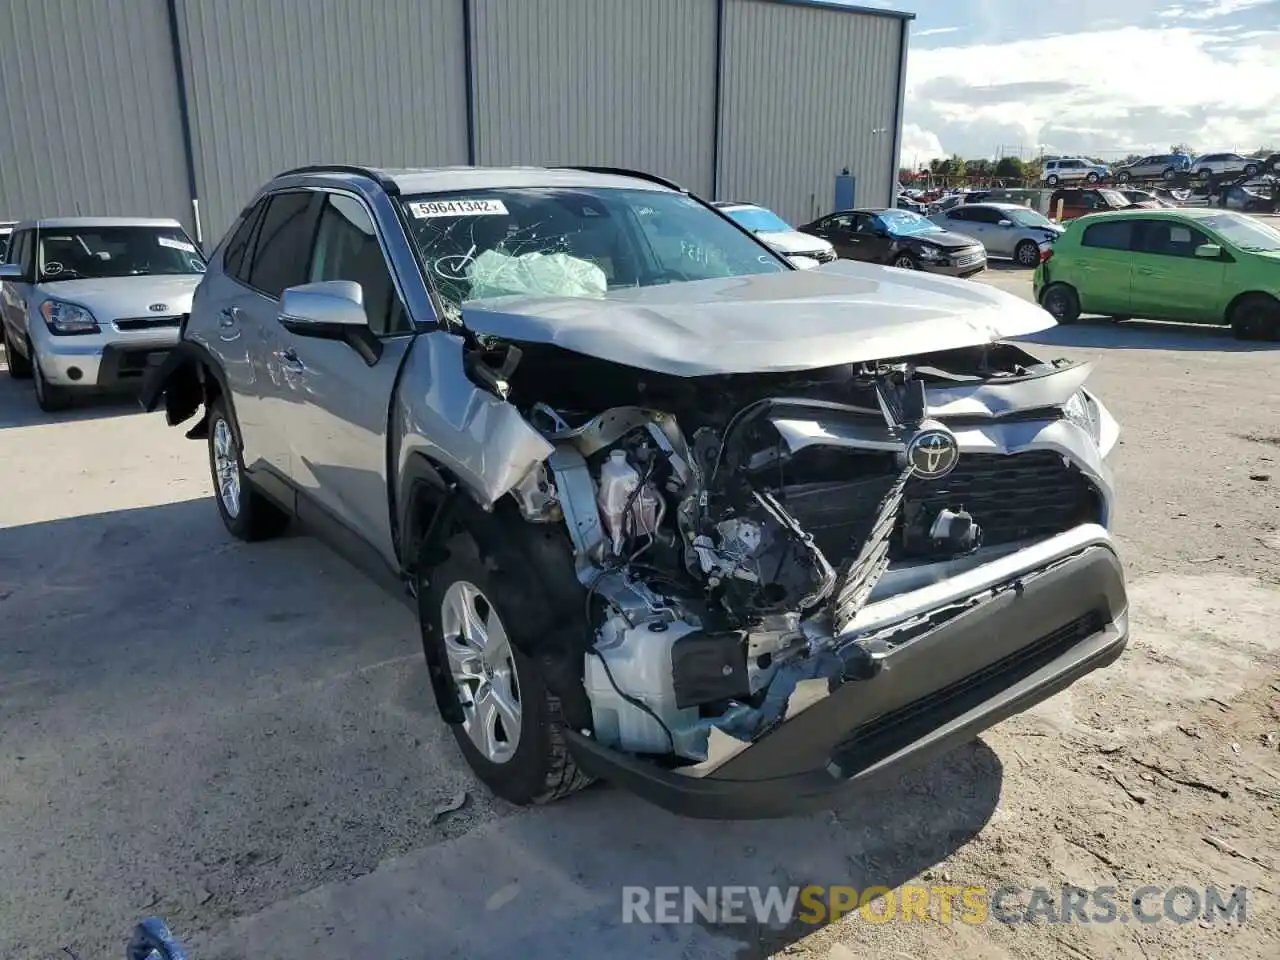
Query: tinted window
<point>842,221</point>
<point>1168,238</point>
<point>20,249</point>
<point>864,224</point>
<point>1111,235</point>
<point>987,215</point>
<point>284,243</point>
<point>233,258</point>
<point>960,213</point>
<point>347,249</point>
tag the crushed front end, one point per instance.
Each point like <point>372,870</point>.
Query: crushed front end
<point>794,582</point>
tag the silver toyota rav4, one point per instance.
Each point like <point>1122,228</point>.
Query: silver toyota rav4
<point>92,303</point>
<point>736,536</point>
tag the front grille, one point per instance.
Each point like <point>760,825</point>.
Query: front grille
<point>1016,497</point>
<point>147,323</point>
<point>894,730</point>
<point>834,496</point>
<point>968,257</point>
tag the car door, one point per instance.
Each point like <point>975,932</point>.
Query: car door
<point>15,294</point>
<point>1102,269</point>
<point>249,333</point>
<point>1169,281</point>
<point>837,230</point>
<point>964,220</point>
<point>872,240</point>
<point>338,402</point>
<point>986,227</point>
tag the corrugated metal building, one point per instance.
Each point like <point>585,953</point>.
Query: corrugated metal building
<point>184,107</point>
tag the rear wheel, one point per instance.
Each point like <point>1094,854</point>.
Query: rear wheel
<point>1124,176</point>
<point>51,398</point>
<point>1251,170</point>
<point>1052,180</point>
<point>245,512</point>
<point>1256,317</point>
<point>19,366</point>
<point>1092,178</point>
<point>1062,301</point>
<point>511,730</point>
<point>1168,174</point>
<point>1027,253</point>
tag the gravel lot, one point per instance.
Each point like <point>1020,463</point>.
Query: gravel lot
<point>241,738</point>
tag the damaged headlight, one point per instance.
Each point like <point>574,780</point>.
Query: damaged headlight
<point>930,253</point>
<point>1092,417</point>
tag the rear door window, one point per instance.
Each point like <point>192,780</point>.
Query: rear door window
<point>238,257</point>
<point>283,247</point>
<point>1111,235</point>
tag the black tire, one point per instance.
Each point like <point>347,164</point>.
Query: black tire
<point>1062,301</point>
<point>1251,170</point>
<point>1168,174</point>
<point>1124,176</point>
<point>1052,180</point>
<point>541,768</point>
<point>19,366</point>
<point>50,398</point>
<point>255,517</point>
<point>1027,253</point>
<point>1256,317</point>
<point>1205,174</point>
<point>1092,178</point>
<point>904,261</point>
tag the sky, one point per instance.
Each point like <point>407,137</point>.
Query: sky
<point>1102,78</point>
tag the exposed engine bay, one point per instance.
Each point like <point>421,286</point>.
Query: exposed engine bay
<point>729,529</point>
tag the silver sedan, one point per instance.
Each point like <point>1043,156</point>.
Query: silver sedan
<point>1007,230</point>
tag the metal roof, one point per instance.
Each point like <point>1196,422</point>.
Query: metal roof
<point>439,179</point>
<point>847,8</point>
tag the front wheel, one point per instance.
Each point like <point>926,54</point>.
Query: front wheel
<point>1251,171</point>
<point>1092,178</point>
<point>510,729</point>
<point>19,366</point>
<point>245,512</point>
<point>1027,253</point>
<point>905,261</point>
<point>1168,175</point>
<point>1124,176</point>
<point>1256,317</point>
<point>50,398</point>
<point>1062,301</point>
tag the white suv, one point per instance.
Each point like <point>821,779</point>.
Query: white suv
<point>1060,171</point>
<point>1226,163</point>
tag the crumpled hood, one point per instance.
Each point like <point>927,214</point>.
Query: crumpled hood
<point>793,242</point>
<point>112,298</point>
<point>842,312</point>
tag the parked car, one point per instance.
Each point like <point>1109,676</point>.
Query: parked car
<point>776,232</point>
<point>6,230</point>
<point>1247,199</point>
<point>1165,166</point>
<point>1146,198</point>
<point>1006,230</point>
<point>1197,265</point>
<point>619,451</point>
<point>1078,202</point>
<point>901,239</point>
<point>1067,171</point>
<point>91,303</point>
<point>1226,164</point>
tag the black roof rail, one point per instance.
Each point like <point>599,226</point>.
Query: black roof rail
<point>377,176</point>
<point>624,172</point>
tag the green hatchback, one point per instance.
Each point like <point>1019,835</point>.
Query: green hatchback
<point>1194,265</point>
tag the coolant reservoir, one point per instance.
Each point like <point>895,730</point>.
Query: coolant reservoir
<point>618,481</point>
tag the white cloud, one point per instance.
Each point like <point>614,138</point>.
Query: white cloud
<point>920,146</point>
<point>935,31</point>
<point>1103,90</point>
<point>1210,9</point>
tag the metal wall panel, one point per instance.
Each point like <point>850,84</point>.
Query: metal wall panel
<point>89,123</point>
<point>806,92</point>
<point>275,84</point>
<point>626,83</point>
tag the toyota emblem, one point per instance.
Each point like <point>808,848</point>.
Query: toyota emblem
<point>159,308</point>
<point>933,453</point>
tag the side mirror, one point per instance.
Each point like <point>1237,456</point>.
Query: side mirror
<point>10,271</point>
<point>1209,251</point>
<point>1005,223</point>
<point>330,310</point>
<point>804,263</point>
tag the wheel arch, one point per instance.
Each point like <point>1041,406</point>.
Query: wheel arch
<point>1239,298</point>
<point>189,379</point>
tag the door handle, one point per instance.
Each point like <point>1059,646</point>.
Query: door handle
<point>228,324</point>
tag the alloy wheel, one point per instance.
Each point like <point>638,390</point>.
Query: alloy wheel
<point>226,466</point>
<point>483,669</point>
<point>904,262</point>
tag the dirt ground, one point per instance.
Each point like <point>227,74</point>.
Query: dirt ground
<point>241,739</point>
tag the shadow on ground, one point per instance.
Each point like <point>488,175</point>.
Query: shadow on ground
<point>18,404</point>
<point>1108,334</point>
<point>240,738</point>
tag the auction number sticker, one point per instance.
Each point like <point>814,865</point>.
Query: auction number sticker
<point>175,244</point>
<point>458,208</point>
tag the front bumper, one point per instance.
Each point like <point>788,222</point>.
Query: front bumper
<point>1015,644</point>
<point>109,366</point>
<point>955,266</point>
